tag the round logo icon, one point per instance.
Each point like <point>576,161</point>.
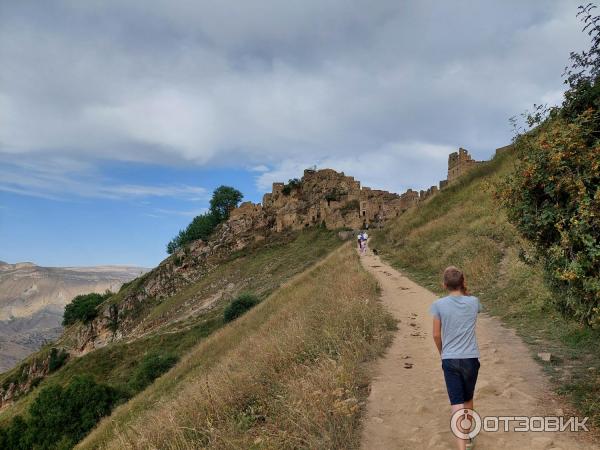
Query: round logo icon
<point>465,423</point>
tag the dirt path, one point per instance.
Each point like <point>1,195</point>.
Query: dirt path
<point>408,406</point>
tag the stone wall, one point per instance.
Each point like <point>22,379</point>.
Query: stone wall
<point>460,163</point>
<point>424,195</point>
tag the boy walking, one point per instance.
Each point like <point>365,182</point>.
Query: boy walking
<point>454,319</point>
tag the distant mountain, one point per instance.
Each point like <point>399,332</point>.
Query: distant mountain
<point>32,300</point>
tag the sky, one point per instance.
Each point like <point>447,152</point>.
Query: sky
<point>119,118</point>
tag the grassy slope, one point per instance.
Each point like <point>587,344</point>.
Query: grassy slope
<point>260,271</point>
<point>288,374</point>
<point>464,226</point>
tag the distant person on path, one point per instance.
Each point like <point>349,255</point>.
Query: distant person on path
<point>359,240</point>
<point>454,319</point>
<point>365,237</point>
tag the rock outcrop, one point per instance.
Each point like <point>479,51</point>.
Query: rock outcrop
<point>26,376</point>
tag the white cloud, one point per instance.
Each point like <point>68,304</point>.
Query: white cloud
<point>45,179</point>
<point>136,190</point>
<point>259,168</point>
<point>379,89</point>
<point>173,212</point>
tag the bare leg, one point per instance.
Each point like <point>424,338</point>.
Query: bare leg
<point>460,443</point>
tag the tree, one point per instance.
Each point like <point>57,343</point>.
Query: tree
<point>224,199</point>
<point>583,73</point>
<point>70,412</point>
<point>201,227</point>
<point>84,308</point>
<point>293,183</point>
<point>151,367</point>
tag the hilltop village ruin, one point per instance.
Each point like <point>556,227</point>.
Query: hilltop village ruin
<point>334,200</point>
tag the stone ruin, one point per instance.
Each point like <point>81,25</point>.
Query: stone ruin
<point>334,200</point>
<point>322,197</point>
<point>459,163</point>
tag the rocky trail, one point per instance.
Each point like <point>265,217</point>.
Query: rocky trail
<point>408,407</point>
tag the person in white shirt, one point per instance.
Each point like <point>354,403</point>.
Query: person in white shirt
<point>364,238</point>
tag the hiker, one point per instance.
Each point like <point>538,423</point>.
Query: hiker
<point>454,319</point>
<point>359,240</point>
<point>365,237</point>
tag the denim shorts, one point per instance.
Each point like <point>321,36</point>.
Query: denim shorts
<point>460,376</point>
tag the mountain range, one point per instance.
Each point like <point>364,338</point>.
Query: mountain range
<point>32,300</point>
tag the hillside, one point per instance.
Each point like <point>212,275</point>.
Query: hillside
<point>167,327</point>
<point>32,300</point>
<point>288,374</point>
<point>465,226</point>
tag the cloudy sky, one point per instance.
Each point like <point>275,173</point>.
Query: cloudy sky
<point>118,118</point>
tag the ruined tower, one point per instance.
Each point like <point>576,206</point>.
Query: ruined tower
<point>459,163</point>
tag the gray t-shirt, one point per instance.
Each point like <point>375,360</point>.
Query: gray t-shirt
<point>458,315</point>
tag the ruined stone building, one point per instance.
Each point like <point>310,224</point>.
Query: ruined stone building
<point>329,198</point>
<point>332,199</point>
<point>320,198</point>
<point>460,163</point>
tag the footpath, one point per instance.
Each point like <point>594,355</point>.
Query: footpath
<point>408,406</point>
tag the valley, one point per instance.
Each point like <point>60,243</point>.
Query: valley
<point>32,300</point>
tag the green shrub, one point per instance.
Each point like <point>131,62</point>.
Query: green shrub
<point>292,184</point>
<point>239,306</point>
<point>152,366</point>
<point>84,308</point>
<point>57,359</point>
<point>553,194</point>
<point>553,198</point>
<point>60,417</point>
<point>15,436</point>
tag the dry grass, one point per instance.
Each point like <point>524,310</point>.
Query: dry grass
<point>289,374</point>
<point>260,270</point>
